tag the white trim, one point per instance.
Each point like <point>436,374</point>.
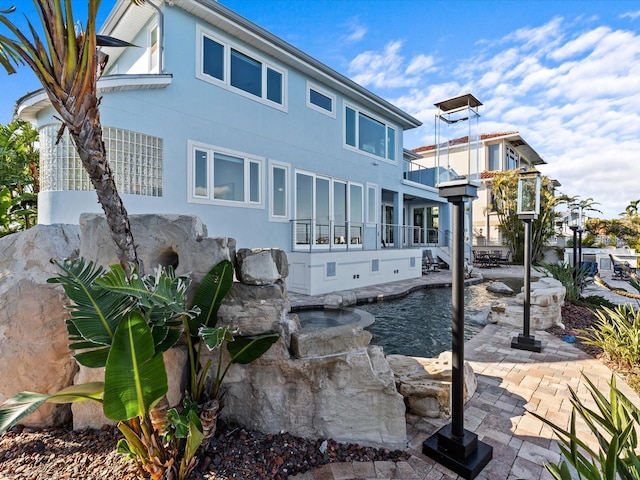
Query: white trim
<point>210,200</point>
<point>225,83</point>
<point>287,168</point>
<point>371,208</point>
<point>312,86</point>
<point>151,55</point>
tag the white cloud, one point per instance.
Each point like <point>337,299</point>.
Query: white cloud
<point>571,91</point>
<point>387,69</point>
<point>631,15</point>
<point>356,31</point>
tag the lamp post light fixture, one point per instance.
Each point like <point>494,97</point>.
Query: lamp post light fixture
<point>528,210</point>
<point>458,180</point>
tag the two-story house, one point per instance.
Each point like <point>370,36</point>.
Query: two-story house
<point>216,117</point>
<point>497,152</point>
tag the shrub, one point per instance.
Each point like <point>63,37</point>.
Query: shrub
<point>594,301</point>
<point>617,332</point>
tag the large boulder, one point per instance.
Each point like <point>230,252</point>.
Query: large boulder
<point>349,397</point>
<point>425,383</point>
<point>545,310</point>
<point>177,240</point>
<point>33,337</point>
<point>261,266</point>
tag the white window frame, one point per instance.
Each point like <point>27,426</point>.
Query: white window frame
<point>152,54</point>
<point>225,83</point>
<point>192,146</point>
<point>331,113</point>
<point>273,164</point>
<point>371,210</point>
<point>355,148</point>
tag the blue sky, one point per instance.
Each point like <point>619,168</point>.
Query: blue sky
<point>565,74</point>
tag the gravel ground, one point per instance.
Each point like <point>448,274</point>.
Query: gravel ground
<point>60,453</point>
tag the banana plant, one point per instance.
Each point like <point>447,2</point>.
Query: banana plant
<point>124,324</point>
<point>202,330</point>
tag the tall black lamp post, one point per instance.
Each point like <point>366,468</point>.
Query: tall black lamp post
<point>528,210</point>
<point>574,229</point>
<point>453,446</point>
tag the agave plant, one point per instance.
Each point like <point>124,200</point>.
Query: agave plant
<point>614,425</point>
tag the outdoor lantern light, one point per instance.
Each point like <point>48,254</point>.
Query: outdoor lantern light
<point>528,210</point>
<point>457,180</point>
<point>529,193</point>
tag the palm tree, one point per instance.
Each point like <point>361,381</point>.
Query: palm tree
<point>66,63</point>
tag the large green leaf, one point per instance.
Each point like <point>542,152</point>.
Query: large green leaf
<point>135,376</point>
<point>245,350</point>
<point>23,404</point>
<point>209,295</point>
<point>95,312</point>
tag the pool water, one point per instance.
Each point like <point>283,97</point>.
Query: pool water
<point>419,324</point>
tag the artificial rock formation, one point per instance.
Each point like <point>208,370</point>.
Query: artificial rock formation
<point>425,383</point>
<point>177,240</point>
<point>547,297</point>
<point>325,383</point>
<point>33,336</point>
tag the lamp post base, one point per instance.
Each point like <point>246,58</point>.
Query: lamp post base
<point>466,456</point>
<point>526,342</point>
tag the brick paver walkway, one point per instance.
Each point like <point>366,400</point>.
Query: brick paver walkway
<point>510,383</point>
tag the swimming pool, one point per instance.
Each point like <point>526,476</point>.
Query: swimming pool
<point>419,324</point>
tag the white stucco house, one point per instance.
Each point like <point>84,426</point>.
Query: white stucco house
<point>216,117</point>
<point>497,152</point>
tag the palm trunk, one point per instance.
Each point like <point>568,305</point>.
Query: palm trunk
<point>88,139</point>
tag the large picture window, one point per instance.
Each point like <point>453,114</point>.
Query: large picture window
<point>329,212</point>
<point>241,71</point>
<point>367,134</point>
<point>223,176</point>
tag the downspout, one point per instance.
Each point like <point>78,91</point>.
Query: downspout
<point>160,36</point>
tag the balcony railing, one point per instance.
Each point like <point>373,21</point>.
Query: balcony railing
<point>315,235</point>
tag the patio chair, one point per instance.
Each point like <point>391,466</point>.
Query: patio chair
<point>429,264</point>
<point>621,269</point>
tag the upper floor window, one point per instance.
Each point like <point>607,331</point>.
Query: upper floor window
<point>321,100</point>
<point>222,176</point>
<point>368,134</point>
<point>494,157</point>
<point>245,73</point>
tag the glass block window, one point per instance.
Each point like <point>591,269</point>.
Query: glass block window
<point>135,158</point>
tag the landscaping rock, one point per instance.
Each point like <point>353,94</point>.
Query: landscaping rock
<point>499,287</point>
<point>547,297</point>
<point>255,309</point>
<point>346,397</point>
<point>261,266</point>
<point>177,240</point>
<point>320,342</point>
<point>33,335</point>
<point>425,383</point>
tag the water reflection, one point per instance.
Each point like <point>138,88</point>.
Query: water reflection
<point>420,324</point>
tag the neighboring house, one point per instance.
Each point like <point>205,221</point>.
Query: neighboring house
<point>216,117</point>
<point>497,152</point>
